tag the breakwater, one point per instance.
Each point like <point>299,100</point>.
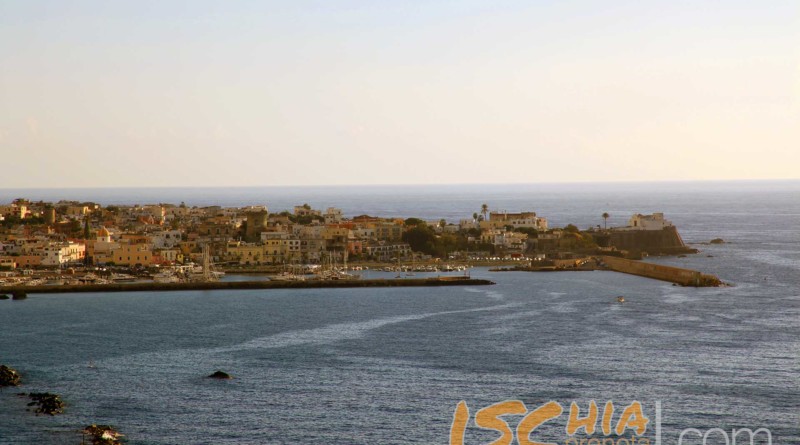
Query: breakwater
<point>238,285</point>
<point>684,277</point>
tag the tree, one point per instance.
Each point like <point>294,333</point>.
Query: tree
<point>605,220</point>
<point>442,223</point>
<point>409,222</point>
<point>484,210</point>
<point>421,239</point>
<point>530,231</point>
<point>475,216</point>
<point>571,228</point>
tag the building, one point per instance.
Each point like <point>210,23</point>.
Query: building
<point>281,247</point>
<point>311,249</point>
<point>166,239</point>
<point>133,252</point>
<point>62,253</point>
<point>76,211</point>
<point>387,231</point>
<point>257,222</point>
<point>167,256</point>
<point>383,251</point>
<point>655,221</point>
<point>333,215</point>
<point>467,224</point>
<point>306,210</point>
<point>15,210</point>
<point>50,215</point>
<point>8,263</point>
<point>246,253</point>
<point>518,220</point>
<point>101,249</point>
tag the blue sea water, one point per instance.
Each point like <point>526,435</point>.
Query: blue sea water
<point>388,366</point>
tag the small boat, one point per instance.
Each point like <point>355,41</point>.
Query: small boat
<point>122,278</point>
<point>287,276</point>
<point>166,276</point>
<point>620,299</point>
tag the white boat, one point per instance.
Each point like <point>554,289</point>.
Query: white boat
<point>166,276</point>
<point>287,276</point>
<point>122,277</point>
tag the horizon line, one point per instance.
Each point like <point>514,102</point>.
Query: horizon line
<point>447,184</point>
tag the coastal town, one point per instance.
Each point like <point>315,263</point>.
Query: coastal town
<point>46,243</point>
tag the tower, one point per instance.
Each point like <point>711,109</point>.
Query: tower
<point>256,223</point>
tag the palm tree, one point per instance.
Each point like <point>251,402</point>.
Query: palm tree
<point>605,220</point>
<point>484,210</point>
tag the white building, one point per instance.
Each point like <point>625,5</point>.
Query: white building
<point>333,215</point>
<point>516,220</point>
<point>467,224</point>
<point>388,251</point>
<point>655,221</point>
<point>166,239</point>
<point>57,254</point>
<point>364,233</point>
<point>305,210</point>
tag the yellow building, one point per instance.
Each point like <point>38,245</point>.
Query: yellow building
<point>387,231</point>
<point>132,254</point>
<point>246,253</point>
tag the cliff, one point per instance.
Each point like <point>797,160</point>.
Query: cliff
<point>654,242</point>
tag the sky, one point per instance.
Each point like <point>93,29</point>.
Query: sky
<point>256,93</point>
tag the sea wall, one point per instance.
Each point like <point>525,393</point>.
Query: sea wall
<point>684,277</point>
<point>216,285</point>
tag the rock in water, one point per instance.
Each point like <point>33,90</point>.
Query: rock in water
<point>717,241</point>
<point>103,434</point>
<point>220,375</point>
<point>19,295</point>
<point>47,403</point>
<point>4,297</point>
<point>8,376</point>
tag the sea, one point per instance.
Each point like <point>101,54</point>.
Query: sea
<point>390,366</point>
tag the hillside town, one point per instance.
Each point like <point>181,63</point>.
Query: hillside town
<point>44,235</point>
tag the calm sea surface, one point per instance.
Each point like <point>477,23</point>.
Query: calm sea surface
<point>388,366</point>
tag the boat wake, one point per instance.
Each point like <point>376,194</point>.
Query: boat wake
<point>341,331</point>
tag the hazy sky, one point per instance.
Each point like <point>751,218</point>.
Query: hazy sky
<point>176,93</point>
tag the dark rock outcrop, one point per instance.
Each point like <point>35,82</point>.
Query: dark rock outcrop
<point>8,376</point>
<point>655,242</point>
<point>19,295</point>
<point>220,375</point>
<point>46,403</point>
<point>717,241</point>
<point>103,434</point>
<point>4,297</point>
